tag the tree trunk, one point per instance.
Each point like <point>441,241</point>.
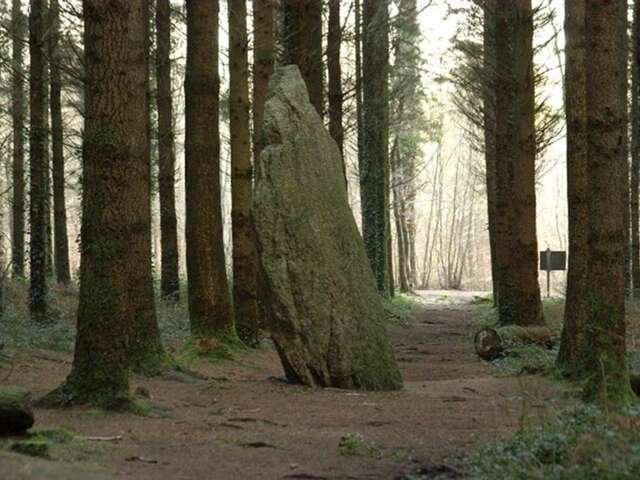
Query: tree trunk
<point>302,37</point>
<point>403,283</point>
<point>263,59</point>
<point>358,87</point>
<point>38,164</point>
<point>576,305</point>
<point>170,271</point>
<point>18,31</point>
<point>334,41</point>
<point>490,138</point>
<point>515,213</point>
<point>635,151</point>
<point>608,379</point>
<point>524,249</point>
<point>244,249</point>
<point>504,152</point>
<point>375,116</point>
<point>116,314</point>
<point>209,302</point>
<point>61,247</point>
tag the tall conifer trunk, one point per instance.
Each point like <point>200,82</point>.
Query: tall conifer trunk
<point>334,42</point>
<point>18,31</point>
<point>61,240</point>
<point>608,378</point>
<point>170,271</point>
<point>209,300</point>
<point>244,250</point>
<point>117,326</point>
<point>38,163</point>
<point>573,345</point>
<point>375,157</point>
<point>302,39</point>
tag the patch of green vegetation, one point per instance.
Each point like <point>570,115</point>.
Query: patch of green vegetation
<point>218,348</point>
<point>401,309</point>
<point>355,445</point>
<point>55,435</point>
<point>57,334</point>
<point>148,409</point>
<point>527,359</point>
<point>31,447</point>
<point>584,443</point>
<point>521,359</point>
<point>173,320</point>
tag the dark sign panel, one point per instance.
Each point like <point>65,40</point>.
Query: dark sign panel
<point>550,261</point>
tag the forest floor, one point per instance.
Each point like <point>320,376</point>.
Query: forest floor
<point>239,420</point>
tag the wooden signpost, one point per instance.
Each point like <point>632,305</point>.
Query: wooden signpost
<point>550,261</point>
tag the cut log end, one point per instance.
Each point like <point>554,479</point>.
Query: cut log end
<point>488,344</point>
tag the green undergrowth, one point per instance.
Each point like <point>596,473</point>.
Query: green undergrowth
<point>401,309</point>
<point>215,349</point>
<point>356,445</point>
<point>58,334</point>
<point>519,359</point>
<point>57,444</point>
<point>582,443</point>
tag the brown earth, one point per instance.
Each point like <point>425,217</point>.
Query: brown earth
<point>244,422</point>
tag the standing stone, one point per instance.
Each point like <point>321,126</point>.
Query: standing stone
<point>318,294</point>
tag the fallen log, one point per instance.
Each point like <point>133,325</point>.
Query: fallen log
<point>491,342</point>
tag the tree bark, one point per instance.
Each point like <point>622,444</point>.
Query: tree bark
<point>302,38</point>
<point>608,379</point>
<point>18,31</point>
<point>244,249</point>
<point>61,247</point>
<point>38,164</point>
<point>524,249</point>
<point>358,73</point>
<point>209,301</point>
<point>116,314</point>
<point>375,121</point>
<point>635,151</point>
<point>334,41</point>
<point>515,212</point>
<point>263,60</point>
<point>573,344</point>
<point>504,152</point>
<point>170,269</point>
<point>490,65</point>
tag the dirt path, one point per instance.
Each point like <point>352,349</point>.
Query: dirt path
<point>244,422</point>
